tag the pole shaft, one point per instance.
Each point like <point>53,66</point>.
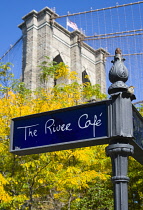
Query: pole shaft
<point>119,156</point>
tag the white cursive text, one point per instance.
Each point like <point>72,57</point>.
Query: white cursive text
<point>52,128</point>
<point>84,122</point>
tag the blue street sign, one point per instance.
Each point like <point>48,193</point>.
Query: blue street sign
<point>68,128</point>
<point>138,128</point>
<point>138,135</point>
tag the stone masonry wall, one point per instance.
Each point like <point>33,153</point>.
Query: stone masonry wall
<point>43,37</point>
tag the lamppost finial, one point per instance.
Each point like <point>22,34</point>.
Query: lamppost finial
<point>118,74</point>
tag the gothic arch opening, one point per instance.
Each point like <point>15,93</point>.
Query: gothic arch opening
<point>85,77</point>
<point>58,59</point>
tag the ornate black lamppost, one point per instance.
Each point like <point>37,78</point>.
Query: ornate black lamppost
<point>122,130</point>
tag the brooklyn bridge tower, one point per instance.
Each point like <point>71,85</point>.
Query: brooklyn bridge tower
<point>43,36</point>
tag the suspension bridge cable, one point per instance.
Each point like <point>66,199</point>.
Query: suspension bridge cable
<point>138,102</point>
<point>128,54</point>
<point>116,33</point>
<point>11,47</point>
<point>97,10</point>
<point>109,37</point>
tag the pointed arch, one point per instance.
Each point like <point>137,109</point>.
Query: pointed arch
<point>58,59</point>
<point>85,77</point>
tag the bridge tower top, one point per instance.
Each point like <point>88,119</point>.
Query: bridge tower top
<point>43,36</point>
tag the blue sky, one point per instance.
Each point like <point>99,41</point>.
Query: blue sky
<point>12,11</point>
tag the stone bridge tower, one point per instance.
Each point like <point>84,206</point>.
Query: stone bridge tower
<point>43,36</point>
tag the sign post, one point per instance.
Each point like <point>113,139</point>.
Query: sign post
<point>122,143</point>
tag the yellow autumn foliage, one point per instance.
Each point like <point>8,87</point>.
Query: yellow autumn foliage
<point>64,72</point>
<point>4,196</point>
<point>54,174</point>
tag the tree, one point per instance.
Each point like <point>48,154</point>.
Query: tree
<point>135,185</point>
<point>56,180</point>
